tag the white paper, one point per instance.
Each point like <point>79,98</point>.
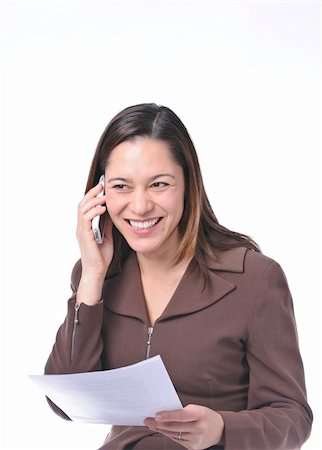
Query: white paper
<point>124,396</point>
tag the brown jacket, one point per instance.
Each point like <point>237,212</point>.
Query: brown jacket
<point>232,347</point>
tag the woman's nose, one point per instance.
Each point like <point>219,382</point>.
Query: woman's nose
<point>141,203</point>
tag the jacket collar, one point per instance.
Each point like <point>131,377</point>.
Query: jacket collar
<point>124,292</point>
<point>228,260</point>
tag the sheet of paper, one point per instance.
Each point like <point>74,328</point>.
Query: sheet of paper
<point>124,396</point>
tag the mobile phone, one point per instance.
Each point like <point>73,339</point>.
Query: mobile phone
<point>99,221</point>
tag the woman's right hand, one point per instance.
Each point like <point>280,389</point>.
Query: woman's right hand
<point>96,258</point>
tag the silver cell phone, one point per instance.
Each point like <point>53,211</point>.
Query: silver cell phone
<point>98,221</point>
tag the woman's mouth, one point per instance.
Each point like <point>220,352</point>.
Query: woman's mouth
<point>144,224</point>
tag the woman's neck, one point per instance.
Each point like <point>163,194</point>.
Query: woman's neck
<point>152,266</point>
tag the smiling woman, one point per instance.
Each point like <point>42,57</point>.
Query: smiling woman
<point>183,286</point>
<point>147,206</point>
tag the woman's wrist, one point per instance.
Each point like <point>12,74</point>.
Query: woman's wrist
<point>90,289</point>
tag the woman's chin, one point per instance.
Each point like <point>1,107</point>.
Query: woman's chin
<point>143,249</point>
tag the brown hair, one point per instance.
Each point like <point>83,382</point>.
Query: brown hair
<point>201,233</point>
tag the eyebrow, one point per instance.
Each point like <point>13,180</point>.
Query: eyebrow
<point>154,177</point>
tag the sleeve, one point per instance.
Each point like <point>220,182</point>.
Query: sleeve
<point>278,416</point>
<point>78,346</point>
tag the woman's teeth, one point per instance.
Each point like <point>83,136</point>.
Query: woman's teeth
<point>143,225</point>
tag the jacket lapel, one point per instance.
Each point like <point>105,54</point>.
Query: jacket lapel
<point>188,298</point>
<point>124,292</point>
<point>228,260</point>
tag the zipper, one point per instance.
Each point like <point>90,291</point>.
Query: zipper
<point>75,323</point>
<point>150,331</point>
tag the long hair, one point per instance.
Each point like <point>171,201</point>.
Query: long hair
<point>200,232</point>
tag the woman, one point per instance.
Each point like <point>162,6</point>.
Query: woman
<point>168,279</point>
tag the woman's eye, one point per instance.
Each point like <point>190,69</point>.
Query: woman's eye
<point>159,185</point>
<point>120,187</point>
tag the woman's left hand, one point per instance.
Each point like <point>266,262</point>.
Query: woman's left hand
<point>194,427</point>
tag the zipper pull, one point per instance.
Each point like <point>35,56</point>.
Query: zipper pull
<point>150,331</point>
<point>76,308</point>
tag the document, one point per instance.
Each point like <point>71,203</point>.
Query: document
<point>124,396</point>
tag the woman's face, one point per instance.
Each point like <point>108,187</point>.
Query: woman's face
<point>145,195</point>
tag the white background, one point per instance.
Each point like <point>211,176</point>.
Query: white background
<point>245,79</point>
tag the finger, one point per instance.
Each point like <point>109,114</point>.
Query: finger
<point>187,414</point>
<point>89,203</point>
<point>96,211</point>
<point>94,191</point>
<point>177,436</point>
<point>169,427</point>
<point>85,222</point>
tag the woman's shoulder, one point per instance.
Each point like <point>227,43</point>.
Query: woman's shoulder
<point>240,259</point>
<point>250,268</point>
<point>263,264</point>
